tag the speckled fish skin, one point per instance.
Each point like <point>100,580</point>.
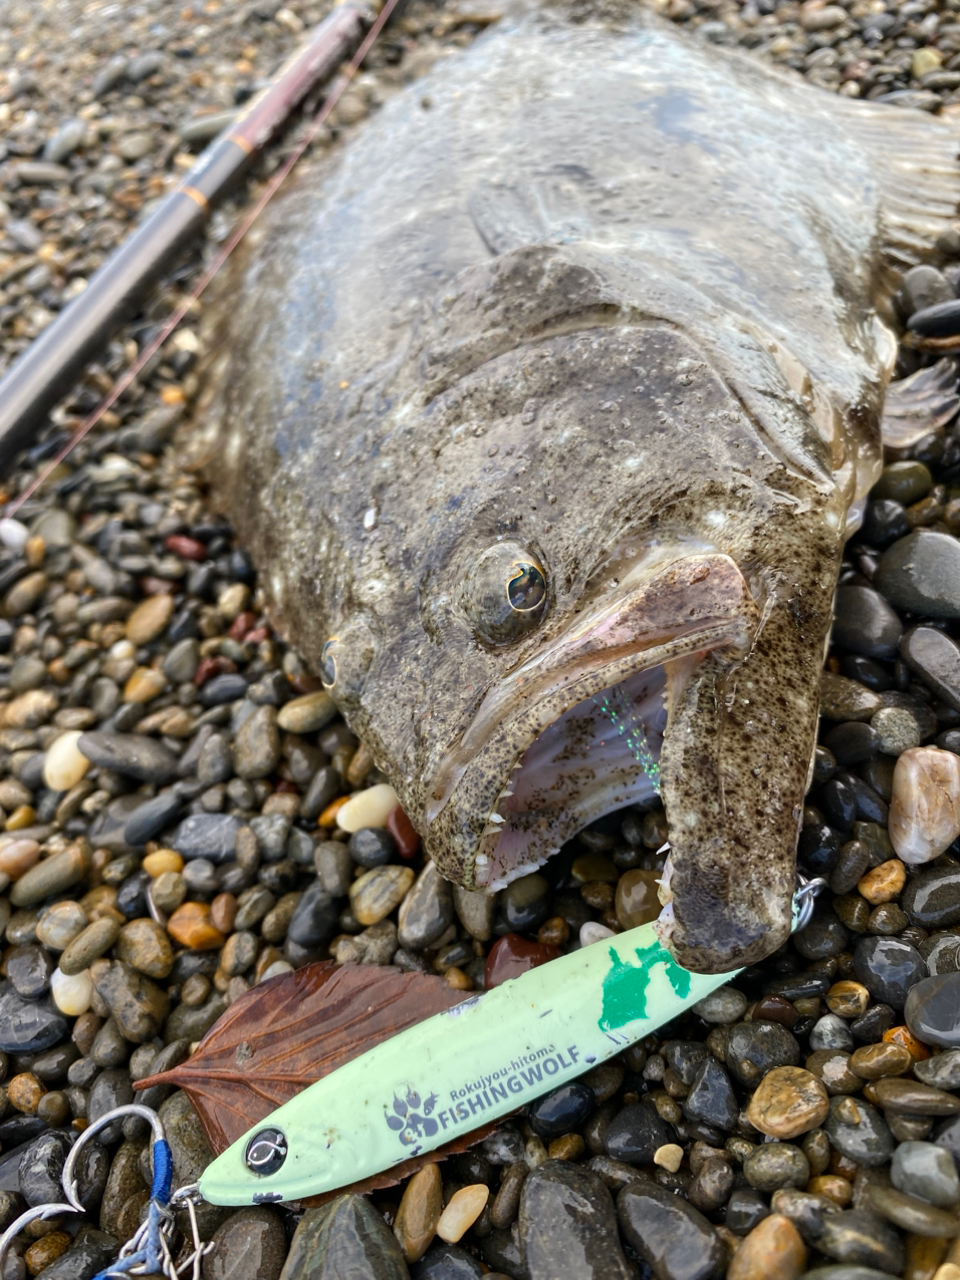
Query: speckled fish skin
<point>605,295</point>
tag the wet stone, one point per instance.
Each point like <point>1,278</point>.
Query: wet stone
<point>444,1261</point>
<point>346,1237</point>
<point>41,1168</point>
<point>864,622</point>
<point>935,657</point>
<point>725,1005</point>
<point>672,1237</point>
<point>207,835</point>
<point>911,1214</point>
<point>526,902</point>
<point>745,1209</point>
<point>831,1032</point>
<point>562,1110</point>
<point>773,1165</point>
<point>754,1048</point>
<point>372,847</point>
<point>910,1097</point>
<point>923,1169</point>
<point>94,941</point>
<point>711,1097</point>
<point>89,1254</point>
<point>315,917</point>
<point>862,1238</point>
<point>636,1133</point>
<point>932,1011</point>
<point>28,1026</point>
<point>568,1226</point>
<point>788,1102</point>
<point>144,946</point>
<point>932,897</point>
<point>888,968</point>
<point>942,1071</point>
<point>138,1005</point>
<point>132,755</point>
<point>375,894</point>
<point>859,1132</point>
<point>28,971</point>
<point>874,1061</point>
<point>426,911</point>
<point>711,1185</point>
<point>925,807</point>
<point>921,572</point>
<point>150,818</point>
<point>250,1245</point>
<point>774,1250</point>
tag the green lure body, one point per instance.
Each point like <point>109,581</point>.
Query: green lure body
<point>460,1069</point>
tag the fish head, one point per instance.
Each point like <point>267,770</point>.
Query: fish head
<point>614,585</point>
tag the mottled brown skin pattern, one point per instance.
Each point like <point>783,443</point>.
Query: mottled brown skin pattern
<point>583,302</point>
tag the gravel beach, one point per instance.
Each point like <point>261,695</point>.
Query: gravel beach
<point>184,815</point>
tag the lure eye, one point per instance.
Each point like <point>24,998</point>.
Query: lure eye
<point>266,1152</point>
<point>328,663</point>
<point>504,593</point>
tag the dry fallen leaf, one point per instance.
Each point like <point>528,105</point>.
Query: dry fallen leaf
<point>284,1034</point>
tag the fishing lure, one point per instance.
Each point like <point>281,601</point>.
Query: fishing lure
<point>462,1068</point>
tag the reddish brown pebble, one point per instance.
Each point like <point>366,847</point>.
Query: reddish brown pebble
<point>403,832</point>
<point>788,1102</point>
<point>874,1061</point>
<point>241,625</point>
<point>775,1009</point>
<point>186,548</point>
<point>210,667</point>
<point>223,912</point>
<point>835,1188</point>
<point>191,926</point>
<point>772,1251</point>
<point>904,1036</point>
<point>512,955</point>
<point>637,900</point>
<point>419,1212</point>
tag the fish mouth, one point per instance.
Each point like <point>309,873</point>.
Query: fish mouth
<point>576,731</point>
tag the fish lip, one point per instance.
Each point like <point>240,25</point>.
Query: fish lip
<point>651,622</point>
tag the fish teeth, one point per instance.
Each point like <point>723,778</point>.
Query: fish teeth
<point>497,818</point>
<point>505,795</point>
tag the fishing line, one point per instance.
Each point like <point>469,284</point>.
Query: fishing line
<point>243,226</point>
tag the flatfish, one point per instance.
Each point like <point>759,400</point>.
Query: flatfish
<point>545,405</point>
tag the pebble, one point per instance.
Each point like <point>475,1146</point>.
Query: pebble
<point>256,747</point>
<point>925,807</point>
<point>911,1097</point>
<point>859,1132</point>
<point>64,764</point>
<point>773,1165</point>
<point>420,1207</point>
<point>461,1212</point>
<point>568,1226</point>
<point>773,1250</point>
<point>372,847</point>
<point>874,1061</point>
<point>73,993</point>
<point>888,968</point>
<point>150,619</point>
<point>51,876</point>
<point>89,945</point>
<point>725,1005</point>
<point>315,917</point>
<point>911,1214</point>
<point>711,1097</point>
<point>636,1133</point>
<point>669,1234</point>
<point>942,1071</point>
<point>191,926</point>
<point>935,657</point>
<point>144,946</point>
<point>369,808</point>
<point>928,1171</point>
<point>931,1010</point>
<point>307,714</point>
<point>562,1110</point>
<point>28,1026</point>
<point>132,755</point>
<point>864,622</point>
<point>376,893</point>
<point>862,1238</point>
<point>754,1048</point>
<point>789,1101</point>
<point>250,1245</point>
<point>427,910</point>
<point>210,836</point>
<point>921,572</point>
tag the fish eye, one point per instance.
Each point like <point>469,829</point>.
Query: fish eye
<point>266,1152</point>
<point>504,593</point>
<point>328,663</point>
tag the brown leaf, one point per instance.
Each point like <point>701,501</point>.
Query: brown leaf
<point>284,1034</point>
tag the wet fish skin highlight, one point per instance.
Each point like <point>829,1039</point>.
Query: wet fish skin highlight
<point>560,378</point>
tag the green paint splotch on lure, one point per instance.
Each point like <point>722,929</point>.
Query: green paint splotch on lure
<point>626,986</point>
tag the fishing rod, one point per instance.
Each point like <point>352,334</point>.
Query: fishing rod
<point>53,362</point>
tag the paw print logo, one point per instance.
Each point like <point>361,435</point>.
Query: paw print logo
<point>411,1119</point>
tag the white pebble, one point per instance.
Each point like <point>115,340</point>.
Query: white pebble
<point>593,931</point>
<point>925,806</point>
<point>13,534</point>
<point>465,1207</point>
<point>368,808</point>
<point>123,649</point>
<point>274,970</point>
<point>72,993</point>
<point>669,1156</point>
<point>64,764</point>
